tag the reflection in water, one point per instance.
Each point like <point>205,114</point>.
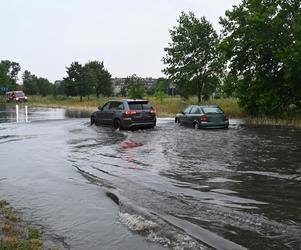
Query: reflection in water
<point>24,113</point>
<point>13,113</point>
<point>73,113</point>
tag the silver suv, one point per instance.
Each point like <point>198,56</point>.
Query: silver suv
<point>125,114</point>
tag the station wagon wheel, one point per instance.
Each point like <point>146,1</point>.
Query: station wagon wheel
<point>117,124</point>
<point>196,125</point>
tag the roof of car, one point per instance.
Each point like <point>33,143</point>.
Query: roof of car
<point>207,106</point>
<point>129,100</point>
<point>14,91</point>
<point>134,100</point>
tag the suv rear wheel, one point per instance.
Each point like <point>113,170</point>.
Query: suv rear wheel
<point>92,120</point>
<point>117,124</point>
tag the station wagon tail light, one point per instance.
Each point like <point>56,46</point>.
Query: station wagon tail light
<point>226,118</point>
<point>152,111</point>
<point>128,113</point>
<point>203,118</point>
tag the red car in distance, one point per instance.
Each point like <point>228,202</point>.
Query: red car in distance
<point>15,96</point>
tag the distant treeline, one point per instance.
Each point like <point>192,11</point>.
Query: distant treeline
<point>82,80</point>
<point>256,59</point>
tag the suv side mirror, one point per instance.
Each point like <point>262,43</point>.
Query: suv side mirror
<point>183,113</point>
<point>100,108</point>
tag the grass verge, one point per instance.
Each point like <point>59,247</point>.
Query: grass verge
<point>16,234</point>
<point>283,121</point>
<point>168,107</point>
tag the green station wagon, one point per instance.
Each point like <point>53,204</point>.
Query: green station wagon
<point>197,116</point>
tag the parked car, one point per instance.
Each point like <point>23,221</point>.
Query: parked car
<point>15,96</point>
<point>197,116</point>
<point>125,114</point>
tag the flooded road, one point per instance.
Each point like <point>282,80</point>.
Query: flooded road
<point>170,187</point>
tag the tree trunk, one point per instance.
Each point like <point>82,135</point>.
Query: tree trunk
<point>199,94</point>
<point>200,88</point>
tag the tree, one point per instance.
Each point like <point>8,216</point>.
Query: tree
<point>161,88</point>
<point>44,86</point>
<point>9,73</point>
<point>192,59</point>
<point>34,85</point>
<point>262,42</point>
<point>4,78</point>
<point>130,83</point>
<point>229,84</point>
<point>136,91</point>
<point>14,71</point>
<point>58,88</point>
<point>161,83</point>
<point>30,85</point>
<point>99,78</point>
<point>134,87</point>
<point>77,81</point>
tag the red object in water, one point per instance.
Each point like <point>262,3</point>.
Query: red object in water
<point>130,144</point>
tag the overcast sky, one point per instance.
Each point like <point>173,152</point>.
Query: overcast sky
<point>45,36</point>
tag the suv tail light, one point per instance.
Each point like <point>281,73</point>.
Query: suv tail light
<point>152,111</point>
<point>129,113</point>
<point>203,118</point>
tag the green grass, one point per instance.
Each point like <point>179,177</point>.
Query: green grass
<point>283,121</point>
<point>67,102</point>
<point>16,234</point>
<point>12,243</point>
<point>168,107</point>
<point>2,99</point>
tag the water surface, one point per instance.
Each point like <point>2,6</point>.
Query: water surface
<point>170,187</point>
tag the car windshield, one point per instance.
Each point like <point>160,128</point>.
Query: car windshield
<point>212,110</point>
<point>139,106</point>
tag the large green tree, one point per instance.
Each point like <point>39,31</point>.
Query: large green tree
<point>84,80</point>
<point>77,82</point>
<point>262,41</point>
<point>192,59</point>
<point>99,77</point>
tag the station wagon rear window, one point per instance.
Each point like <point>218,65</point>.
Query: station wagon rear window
<point>211,110</point>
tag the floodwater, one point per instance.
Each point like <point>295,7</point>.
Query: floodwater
<point>170,187</point>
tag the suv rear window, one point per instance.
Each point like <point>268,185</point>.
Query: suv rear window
<point>139,106</point>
